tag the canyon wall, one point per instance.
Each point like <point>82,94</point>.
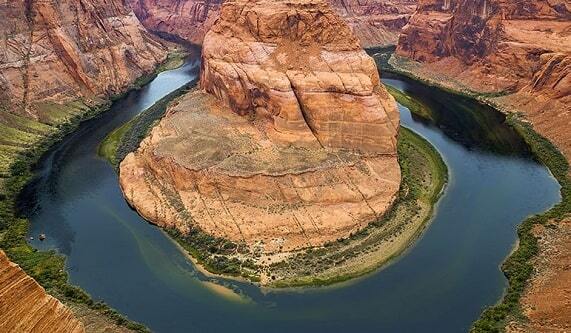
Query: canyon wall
<point>59,59</point>
<point>375,22</point>
<point>517,53</point>
<point>58,51</point>
<point>291,144</point>
<point>26,307</point>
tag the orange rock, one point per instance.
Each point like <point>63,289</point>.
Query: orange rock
<point>26,307</point>
<point>57,51</point>
<point>303,71</point>
<point>375,22</point>
<point>294,147</point>
<point>518,49</point>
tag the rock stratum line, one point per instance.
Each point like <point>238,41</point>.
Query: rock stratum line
<point>26,307</point>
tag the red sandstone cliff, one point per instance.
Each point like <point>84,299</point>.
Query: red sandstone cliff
<point>517,55</point>
<point>25,306</point>
<point>520,50</point>
<point>57,51</point>
<point>375,22</point>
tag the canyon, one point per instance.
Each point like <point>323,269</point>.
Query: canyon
<point>60,62</point>
<point>374,22</point>
<point>290,144</point>
<point>517,55</point>
<point>59,59</point>
<point>291,141</point>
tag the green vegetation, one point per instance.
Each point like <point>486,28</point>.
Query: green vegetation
<point>414,105</point>
<point>127,138</point>
<point>424,175</point>
<point>217,255</point>
<point>48,268</point>
<point>174,60</point>
<point>518,267</point>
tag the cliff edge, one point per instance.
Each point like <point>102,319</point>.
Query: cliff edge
<point>291,143</point>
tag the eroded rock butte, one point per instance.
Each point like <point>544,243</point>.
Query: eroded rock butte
<point>290,144</point>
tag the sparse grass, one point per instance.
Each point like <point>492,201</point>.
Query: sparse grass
<point>518,267</point>
<point>414,105</point>
<point>174,60</point>
<point>108,147</point>
<point>424,175</point>
<point>126,139</point>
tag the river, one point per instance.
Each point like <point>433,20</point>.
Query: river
<point>441,284</point>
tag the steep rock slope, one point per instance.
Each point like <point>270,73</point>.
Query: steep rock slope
<point>25,306</point>
<point>517,51</point>
<point>375,22</point>
<point>187,19</point>
<point>516,55</point>
<point>293,147</point>
<point>63,50</point>
<point>60,58</point>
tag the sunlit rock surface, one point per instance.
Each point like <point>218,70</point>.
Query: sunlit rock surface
<point>291,144</point>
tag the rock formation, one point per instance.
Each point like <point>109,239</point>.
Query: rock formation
<point>519,51</point>
<point>375,22</point>
<point>26,307</point>
<point>291,144</point>
<point>57,51</point>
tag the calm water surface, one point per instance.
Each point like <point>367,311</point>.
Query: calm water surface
<point>440,285</point>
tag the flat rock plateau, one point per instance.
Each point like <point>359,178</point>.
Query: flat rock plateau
<point>290,144</point>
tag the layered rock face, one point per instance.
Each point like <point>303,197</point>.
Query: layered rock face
<point>518,50</point>
<point>293,146</point>
<point>375,22</point>
<point>187,19</point>
<point>56,51</point>
<point>25,306</point>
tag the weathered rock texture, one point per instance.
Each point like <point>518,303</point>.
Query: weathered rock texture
<point>26,307</point>
<point>56,51</point>
<point>517,55</point>
<point>546,302</point>
<point>375,22</point>
<point>517,50</point>
<point>294,146</point>
<point>187,19</point>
